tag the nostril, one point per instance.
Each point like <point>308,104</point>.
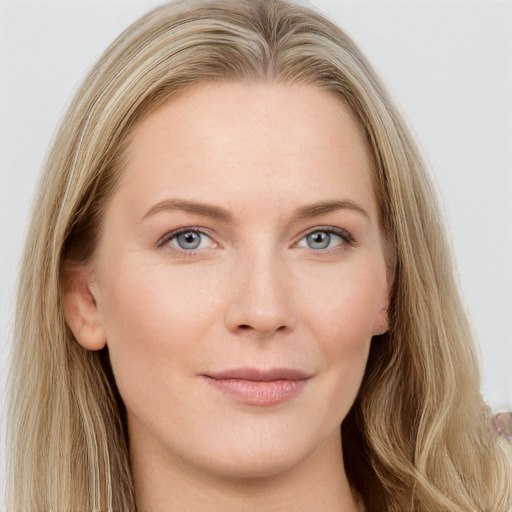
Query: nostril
<point>247,328</point>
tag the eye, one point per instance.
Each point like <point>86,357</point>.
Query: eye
<point>187,240</point>
<point>321,239</point>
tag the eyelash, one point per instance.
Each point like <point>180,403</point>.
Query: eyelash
<point>175,233</point>
<point>330,230</point>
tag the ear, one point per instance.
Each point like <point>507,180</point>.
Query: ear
<point>80,308</point>
<point>381,324</point>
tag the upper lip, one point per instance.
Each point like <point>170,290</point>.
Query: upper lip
<point>259,375</point>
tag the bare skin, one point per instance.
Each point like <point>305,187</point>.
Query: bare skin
<point>238,281</point>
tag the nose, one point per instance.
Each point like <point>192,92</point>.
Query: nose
<point>261,302</point>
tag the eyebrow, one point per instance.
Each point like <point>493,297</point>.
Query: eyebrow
<point>219,213</point>
<point>206,210</point>
<point>324,207</point>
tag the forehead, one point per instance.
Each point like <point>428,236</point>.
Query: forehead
<point>244,141</point>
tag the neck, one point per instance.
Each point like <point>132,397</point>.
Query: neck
<point>317,483</point>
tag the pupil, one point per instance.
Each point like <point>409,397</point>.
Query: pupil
<point>319,240</point>
<point>189,240</point>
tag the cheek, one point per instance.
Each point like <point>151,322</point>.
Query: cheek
<point>153,319</point>
<point>342,317</point>
<point>348,304</point>
<point>345,336</point>
<point>154,302</point>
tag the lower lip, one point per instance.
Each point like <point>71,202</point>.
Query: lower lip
<point>259,393</point>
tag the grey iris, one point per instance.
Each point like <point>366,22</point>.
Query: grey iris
<point>189,240</point>
<point>318,240</point>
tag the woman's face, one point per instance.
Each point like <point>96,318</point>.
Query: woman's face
<point>239,278</point>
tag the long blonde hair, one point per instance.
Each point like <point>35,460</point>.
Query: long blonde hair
<point>417,437</point>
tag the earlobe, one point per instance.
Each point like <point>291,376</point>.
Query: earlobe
<point>381,325</point>
<point>80,307</point>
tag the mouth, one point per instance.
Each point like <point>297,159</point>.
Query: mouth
<point>263,388</point>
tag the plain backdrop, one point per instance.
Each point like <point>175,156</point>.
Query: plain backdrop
<point>448,64</point>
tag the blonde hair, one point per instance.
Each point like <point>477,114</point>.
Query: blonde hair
<point>417,437</point>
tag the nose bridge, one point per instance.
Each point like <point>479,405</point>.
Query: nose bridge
<point>261,292</point>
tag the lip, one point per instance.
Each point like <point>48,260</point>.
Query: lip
<point>257,387</point>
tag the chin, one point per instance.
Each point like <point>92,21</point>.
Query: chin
<point>265,455</point>
<point>258,466</point>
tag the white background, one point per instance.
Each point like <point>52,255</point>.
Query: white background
<point>448,64</point>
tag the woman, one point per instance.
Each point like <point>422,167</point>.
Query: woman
<point>236,250</point>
